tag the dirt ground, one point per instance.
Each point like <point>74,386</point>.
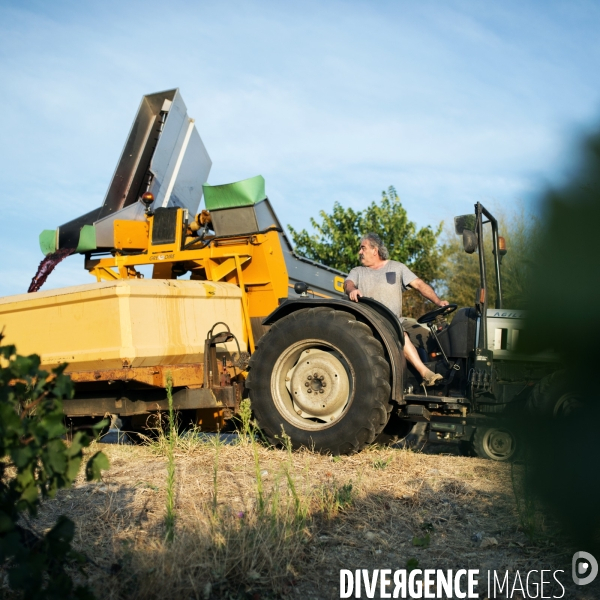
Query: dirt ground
<point>384,508</point>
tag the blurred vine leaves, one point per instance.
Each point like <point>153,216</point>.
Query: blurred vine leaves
<point>35,462</point>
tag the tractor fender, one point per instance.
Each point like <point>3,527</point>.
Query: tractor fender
<point>382,320</point>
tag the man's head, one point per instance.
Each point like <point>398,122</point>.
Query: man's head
<point>372,251</point>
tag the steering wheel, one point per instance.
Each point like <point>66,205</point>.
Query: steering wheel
<point>442,311</point>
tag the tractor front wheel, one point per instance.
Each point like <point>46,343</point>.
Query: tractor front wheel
<point>495,443</point>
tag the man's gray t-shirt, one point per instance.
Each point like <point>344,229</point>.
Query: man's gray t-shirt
<point>384,285</point>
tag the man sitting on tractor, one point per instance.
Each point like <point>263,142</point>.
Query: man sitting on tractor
<point>384,280</point>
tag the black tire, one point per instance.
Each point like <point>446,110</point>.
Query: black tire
<point>495,443</point>
<point>395,431</point>
<point>554,396</point>
<point>350,412</point>
<point>416,438</point>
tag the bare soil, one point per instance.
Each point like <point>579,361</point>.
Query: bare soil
<point>379,509</point>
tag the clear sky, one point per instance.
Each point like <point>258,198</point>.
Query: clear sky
<point>451,102</point>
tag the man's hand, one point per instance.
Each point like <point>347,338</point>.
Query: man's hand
<point>443,303</point>
<point>354,294</point>
<point>352,291</point>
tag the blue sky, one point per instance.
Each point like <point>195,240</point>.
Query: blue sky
<point>451,102</point>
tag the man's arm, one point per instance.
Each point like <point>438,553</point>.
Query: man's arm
<point>427,291</point>
<point>352,291</point>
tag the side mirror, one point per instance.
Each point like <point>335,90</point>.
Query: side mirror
<point>469,241</point>
<point>464,222</point>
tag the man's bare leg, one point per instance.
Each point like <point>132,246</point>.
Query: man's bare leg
<point>429,377</point>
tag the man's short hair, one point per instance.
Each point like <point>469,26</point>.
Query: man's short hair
<point>375,242</point>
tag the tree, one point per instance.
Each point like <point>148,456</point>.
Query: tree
<point>461,271</point>
<point>337,240</point>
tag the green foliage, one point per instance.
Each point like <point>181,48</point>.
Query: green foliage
<point>461,277</point>
<point>344,496</point>
<point>259,479</point>
<point>563,454</point>
<point>337,238</point>
<point>215,502</point>
<point>245,416</point>
<point>336,498</point>
<point>35,463</point>
<point>422,542</point>
<point>412,563</point>
<point>382,463</point>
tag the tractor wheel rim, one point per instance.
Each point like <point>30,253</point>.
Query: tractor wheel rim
<point>499,443</point>
<point>312,384</point>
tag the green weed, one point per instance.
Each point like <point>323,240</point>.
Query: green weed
<point>335,498</point>
<point>216,474</point>
<point>382,463</point>
<point>170,514</point>
<point>422,542</point>
<point>412,563</point>
<point>245,418</point>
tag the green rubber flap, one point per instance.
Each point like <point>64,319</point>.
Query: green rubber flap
<point>87,239</point>
<point>231,195</point>
<point>48,241</point>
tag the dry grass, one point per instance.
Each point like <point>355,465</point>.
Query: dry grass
<point>272,523</point>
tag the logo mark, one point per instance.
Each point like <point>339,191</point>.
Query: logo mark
<point>585,568</point>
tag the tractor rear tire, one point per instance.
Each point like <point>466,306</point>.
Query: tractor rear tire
<point>554,397</point>
<point>320,377</point>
